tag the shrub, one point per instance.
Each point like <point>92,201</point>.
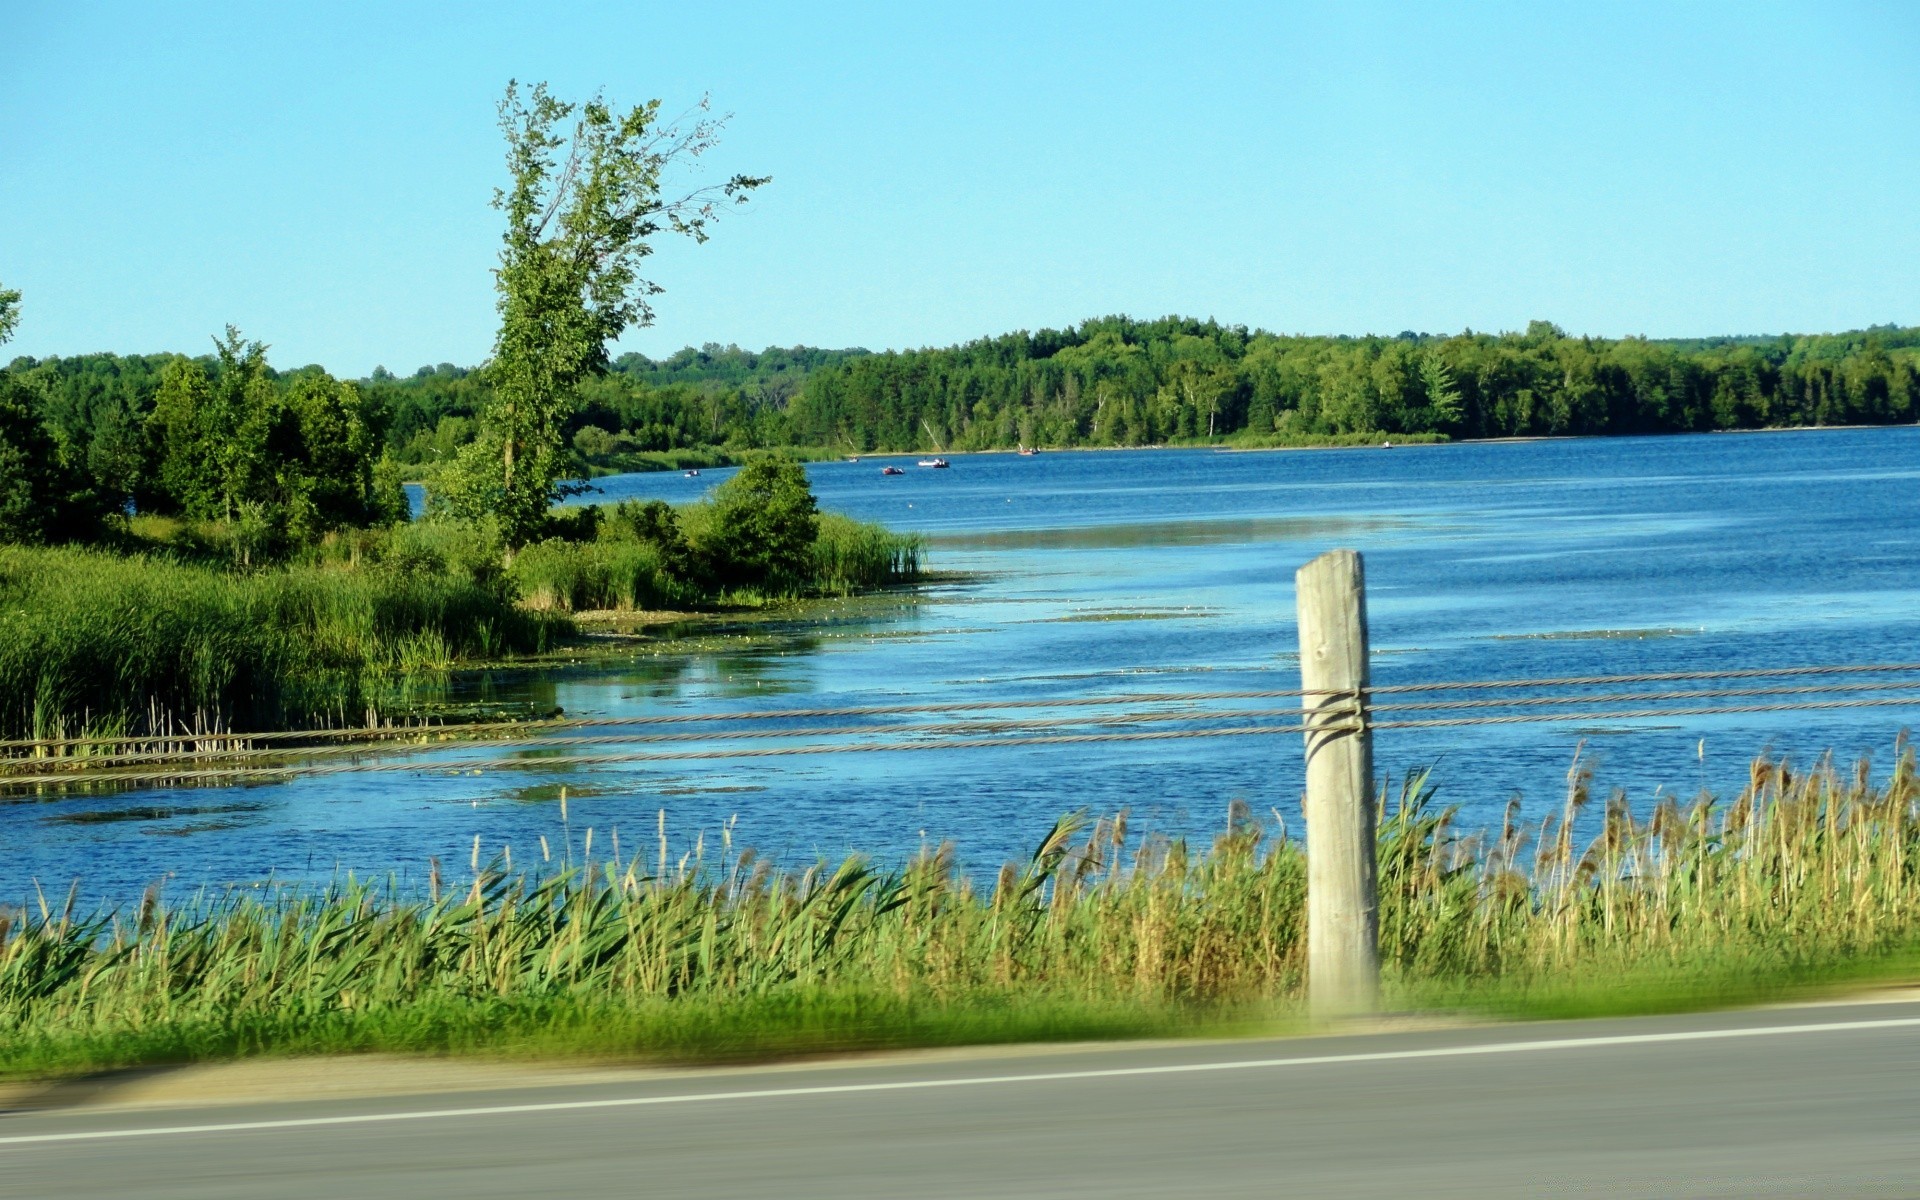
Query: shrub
<point>763,525</point>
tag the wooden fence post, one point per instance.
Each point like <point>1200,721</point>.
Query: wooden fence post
<point>1343,936</point>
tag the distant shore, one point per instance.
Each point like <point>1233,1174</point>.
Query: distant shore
<point>1383,440</point>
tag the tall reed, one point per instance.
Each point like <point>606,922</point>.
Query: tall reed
<point>1803,875</point>
<point>92,640</point>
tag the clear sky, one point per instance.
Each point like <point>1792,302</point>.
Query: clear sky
<point>319,174</point>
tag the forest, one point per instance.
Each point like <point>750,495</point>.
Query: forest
<point>1114,381</point>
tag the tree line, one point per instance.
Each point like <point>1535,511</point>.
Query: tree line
<point>1108,382</point>
<point>1116,381</point>
<point>278,457</point>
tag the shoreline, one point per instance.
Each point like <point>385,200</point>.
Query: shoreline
<point>1228,448</point>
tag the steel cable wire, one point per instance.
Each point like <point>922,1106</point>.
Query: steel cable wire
<point>597,760</point>
<point>10,765</point>
<point>1630,697</point>
<point>402,731</point>
<point>1338,723</point>
<point>1644,713</point>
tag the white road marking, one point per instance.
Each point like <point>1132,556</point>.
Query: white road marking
<point>843,1089</point>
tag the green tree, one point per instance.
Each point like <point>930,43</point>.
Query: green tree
<point>42,497</point>
<point>296,457</point>
<point>765,522</point>
<point>210,430</point>
<point>589,189</point>
<point>9,313</point>
<point>321,449</point>
<point>1444,410</point>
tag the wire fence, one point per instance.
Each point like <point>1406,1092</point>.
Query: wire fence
<point>983,723</point>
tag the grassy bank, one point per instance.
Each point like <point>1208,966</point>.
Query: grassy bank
<point>167,633</point>
<point>623,565</point>
<point>704,953</point>
<point>105,642</point>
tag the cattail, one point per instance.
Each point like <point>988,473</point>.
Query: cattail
<point>1003,887</point>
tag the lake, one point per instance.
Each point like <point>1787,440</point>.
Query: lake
<point>1130,571</point>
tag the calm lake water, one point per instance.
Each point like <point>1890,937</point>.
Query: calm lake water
<point>1095,573</point>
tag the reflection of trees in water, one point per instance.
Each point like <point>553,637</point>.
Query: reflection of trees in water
<point>750,656</point>
<point>511,693</point>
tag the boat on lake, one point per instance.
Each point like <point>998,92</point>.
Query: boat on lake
<point>934,462</point>
<point>1027,451</point>
<point>691,474</point>
<point>891,471</point>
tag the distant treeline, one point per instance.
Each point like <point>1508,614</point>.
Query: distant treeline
<point>1114,381</point>
<point>1120,382</point>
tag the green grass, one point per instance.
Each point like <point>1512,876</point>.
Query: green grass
<point>617,571</point>
<point>1804,881</point>
<point>858,556</point>
<point>99,641</point>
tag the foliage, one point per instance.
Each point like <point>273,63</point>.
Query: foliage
<point>1804,877</point>
<point>1108,382</point>
<point>42,498</point>
<point>641,556</point>
<point>1118,381</point>
<point>763,527</point>
<point>162,631</point>
<point>585,198</point>
<point>855,556</point>
<point>236,445</point>
<point>94,640</point>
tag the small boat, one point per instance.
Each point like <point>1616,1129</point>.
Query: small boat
<point>692,474</point>
<point>891,471</point>
<point>853,458</point>
<point>1027,451</point>
<point>934,462</point>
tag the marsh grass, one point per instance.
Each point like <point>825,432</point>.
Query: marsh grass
<point>856,556</point>
<point>101,642</point>
<point>709,953</point>
<point>617,571</point>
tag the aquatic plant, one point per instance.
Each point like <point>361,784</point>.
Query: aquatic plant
<point>711,952</point>
<point>92,640</point>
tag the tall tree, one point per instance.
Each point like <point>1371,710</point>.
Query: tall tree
<point>1443,396</point>
<point>9,313</point>
<point>42,498</point>
<point>590,186</point>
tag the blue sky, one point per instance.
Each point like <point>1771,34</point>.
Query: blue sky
<point>319,174</point>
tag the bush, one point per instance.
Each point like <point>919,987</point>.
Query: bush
<point>42,499</point>
<point>764,522</point>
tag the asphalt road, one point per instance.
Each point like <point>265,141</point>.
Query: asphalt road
<point>1804,1102</point>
